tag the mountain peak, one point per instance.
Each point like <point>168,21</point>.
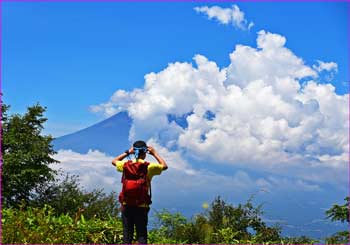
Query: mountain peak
<point>109,136</point>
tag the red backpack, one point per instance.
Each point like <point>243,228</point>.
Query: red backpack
<point>135,185</point>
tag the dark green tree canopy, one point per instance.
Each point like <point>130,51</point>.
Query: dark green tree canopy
<point>67,197</point>
<point>26,153</point>
<point>339,212</point>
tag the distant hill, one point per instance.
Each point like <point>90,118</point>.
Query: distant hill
<point>109,136</point>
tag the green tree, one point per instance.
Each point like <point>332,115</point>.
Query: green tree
<point>221,223</point>
<point>171,226</point>
<point>67,197</point>
<point>26,153</point>
<point>233,223</point>
<point>339,213</point>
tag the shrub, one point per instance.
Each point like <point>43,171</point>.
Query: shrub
<point>41,225</point>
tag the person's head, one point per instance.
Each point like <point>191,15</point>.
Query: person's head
<point>140,149</point>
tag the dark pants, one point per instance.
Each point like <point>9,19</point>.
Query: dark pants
<point>138,217</point>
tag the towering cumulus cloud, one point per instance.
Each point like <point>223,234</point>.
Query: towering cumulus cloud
<point>266,110</point>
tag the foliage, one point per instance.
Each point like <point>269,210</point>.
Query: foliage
<point>222,223</point>
<point>26,154</point>
<point>341,237</point>
<point>299,240</point>
<point>170,228</point>
<point>236,221</point>
<point>67,197</point>
<point>44,225</point>
<point>27,175</point>
<point>41,225</point>
<point>339,213</point>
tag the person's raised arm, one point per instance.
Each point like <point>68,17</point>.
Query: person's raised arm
<point>160,160</point>
<point>122,156</point>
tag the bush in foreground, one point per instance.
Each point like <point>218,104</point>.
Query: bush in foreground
<point>220,223</point>
<point>41,225</point>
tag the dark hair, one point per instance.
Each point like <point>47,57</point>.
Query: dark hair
<point>140,144</point>
<point>140,147</point>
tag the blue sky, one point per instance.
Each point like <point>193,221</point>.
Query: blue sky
<point>69,56</point>
<point>275,92</point>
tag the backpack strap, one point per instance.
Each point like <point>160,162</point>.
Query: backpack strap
<point>123,176</point>
<point>149,182</point>
<point>150,190</point>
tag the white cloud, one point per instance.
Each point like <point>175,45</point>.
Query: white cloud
<point>174,159</point>
<point>328,69</point>
<point>191,180</point>
<point>325,66</point>
<point>118,101</point>
<point>94,168</point>
<point>226,16</point>
<point>271,62</point>
<point>95,172</point>
<point>179,182</point>
<point>255,113</point>
<point>288,184</point>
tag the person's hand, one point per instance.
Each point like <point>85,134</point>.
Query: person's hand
<point>131,150</point>
<point>151,150</point>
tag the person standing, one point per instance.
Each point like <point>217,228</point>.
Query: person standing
<point>136,195</point>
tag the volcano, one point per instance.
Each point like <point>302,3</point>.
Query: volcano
<point>109,136</point>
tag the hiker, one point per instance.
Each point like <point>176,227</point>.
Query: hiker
<point>135,196</point>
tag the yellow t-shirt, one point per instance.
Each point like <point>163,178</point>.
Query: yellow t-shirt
<point>152,170</point>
